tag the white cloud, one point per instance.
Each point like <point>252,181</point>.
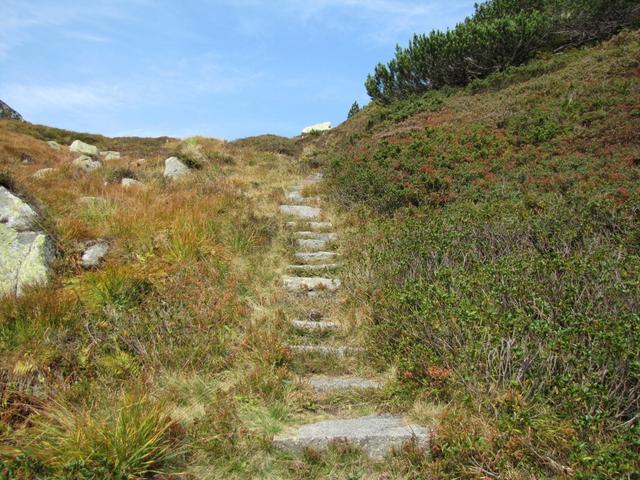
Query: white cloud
<point>34,98</point>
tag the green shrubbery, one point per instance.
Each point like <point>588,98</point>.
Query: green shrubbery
<point>501,245</point>
<point>500,34</point>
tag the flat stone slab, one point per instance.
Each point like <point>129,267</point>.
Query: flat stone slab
<point>324,350</point>
<point>15,213</point>
<point>320,267</point>
<point>314,256</point>
<point>311,326</point>
<point>300,211</point>
<point>322,383</point>
<point>329,236</point>
<point>303,284</point>
<point>376,435</point>
<point>307,244</point>
<point>311,225</point>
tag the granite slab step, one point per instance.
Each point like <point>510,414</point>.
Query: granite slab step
<point>304,284</point>
<point>321,383</point>
<point>327,236</point>
<point>311,326</point>
<point>311,245</point>
<point>300,211</point>
<point>338,351</point>
<point>319,267</point>
<point>314,256</point>
<point>315,226</point>
<point>375,435</point>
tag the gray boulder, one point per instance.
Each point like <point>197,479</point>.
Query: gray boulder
<point>84,148</point>
<point>8,113</point>
<point>14,212</point>
<point>25,253</point>
<point>53,145</point>
<point>93,256</point>
<point>87,163</point>
<point>174,168</point>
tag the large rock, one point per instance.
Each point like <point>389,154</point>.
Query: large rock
<point>318,127</point>
<point>14,212</point>
<point>24,255</point>
<point>8,113</point>
<point>87,163</point>
<point>376,435</point>
<point>84,148</point>
<point>174,168</point>
<point>53,145</point>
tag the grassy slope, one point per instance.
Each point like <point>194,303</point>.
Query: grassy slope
<point>494,258</point>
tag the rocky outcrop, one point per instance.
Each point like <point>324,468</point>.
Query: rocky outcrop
<point>174,168</point>
<point>25,252</point>
<point>8,113</point>
<point>84,148</point>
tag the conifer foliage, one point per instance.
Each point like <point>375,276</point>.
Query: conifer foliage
<point>500,33</point>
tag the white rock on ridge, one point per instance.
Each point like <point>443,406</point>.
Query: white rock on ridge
<point>376,435</point>
<point>93,255</point>
<point>131,183</point>
<point>53,145</point>
<point>87,163</point>
<point>174,168</point>
<point>318,127</point>
<point>79,146</point>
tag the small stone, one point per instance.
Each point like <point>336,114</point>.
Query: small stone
<point>87,163</point>
<point>43,172</point>
<point>53,145</point>
<point>84,148</point>
<point>93,256</point>
<point>131,183</point>
<point>110,156</point>
<point>300,211</point>
<point>174,168</point>
<point>376,435</point>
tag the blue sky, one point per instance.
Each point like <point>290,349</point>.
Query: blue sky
<point>222,68</point>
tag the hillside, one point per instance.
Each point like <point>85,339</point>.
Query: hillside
<point>470,274</point>
<point>494,258</point>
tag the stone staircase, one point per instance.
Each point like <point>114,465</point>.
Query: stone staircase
<point>316,263</point>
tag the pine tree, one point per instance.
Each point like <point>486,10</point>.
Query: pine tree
<point>355,108</point>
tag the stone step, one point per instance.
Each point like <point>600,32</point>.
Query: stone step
<point>304,284</point>
<point>310,257</point>
<point>315,226</point>
<point>297,197</point>
<point>376,435</point>
<point>320,267</point>
<point>329,236</point>
<point>321,383</point>
<point>310,326</point>
<point>300,211</point>
<point>324,350</point>
<point>311,245</point>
